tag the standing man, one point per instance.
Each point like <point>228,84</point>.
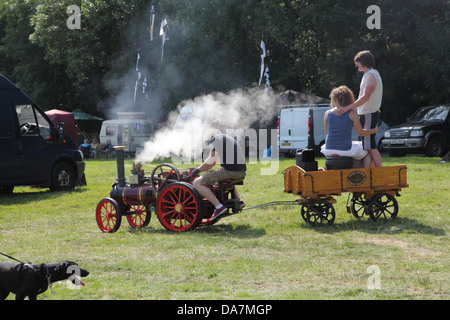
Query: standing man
<point>226,150</point>
<point>369,101</point>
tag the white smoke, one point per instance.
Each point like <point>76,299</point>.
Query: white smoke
<point>237,109</point>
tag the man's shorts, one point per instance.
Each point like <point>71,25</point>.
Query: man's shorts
<point>218,174</point>
<point>369,121</point>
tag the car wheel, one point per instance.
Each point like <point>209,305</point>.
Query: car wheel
<point>434,148</point>
<point>63,177</point>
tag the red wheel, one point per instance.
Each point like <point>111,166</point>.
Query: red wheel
<point>179,207</point>
<point>108,215</point>
<point>139,216</point>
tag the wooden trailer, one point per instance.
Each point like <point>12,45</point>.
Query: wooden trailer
<point>373,191</point>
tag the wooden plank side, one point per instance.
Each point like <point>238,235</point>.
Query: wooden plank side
<point>334,182</point>
<point>389,177</point>
<point>321,182</point>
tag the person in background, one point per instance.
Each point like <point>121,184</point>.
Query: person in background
<point>86,149</point>
<point>105,148</point>
<point>95,147</point>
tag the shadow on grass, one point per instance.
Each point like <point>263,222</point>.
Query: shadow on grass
<point>219,229</point>
<point>397,226</point>
<point>35,194</point>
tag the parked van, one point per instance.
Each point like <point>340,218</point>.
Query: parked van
<point>131,130</point>
<point>301,127</point>
<point>33,151</point>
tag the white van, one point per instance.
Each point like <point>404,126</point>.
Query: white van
<point>301,127</point>
<point>128,132</point>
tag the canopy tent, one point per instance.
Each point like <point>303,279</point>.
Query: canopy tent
<point>58,116</point>
<point>80,115</point>
<point>87,124</point>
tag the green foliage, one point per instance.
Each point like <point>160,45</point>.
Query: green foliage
<point>214,46</point>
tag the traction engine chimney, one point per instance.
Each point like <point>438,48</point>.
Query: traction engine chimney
<point>120,165</point>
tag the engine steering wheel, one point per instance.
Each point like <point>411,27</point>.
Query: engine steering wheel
<point>163,174</point>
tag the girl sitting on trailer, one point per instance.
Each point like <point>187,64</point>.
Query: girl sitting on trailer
<point>338,128</point>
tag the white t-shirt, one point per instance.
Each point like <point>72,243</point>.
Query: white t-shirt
<point>374,103</point>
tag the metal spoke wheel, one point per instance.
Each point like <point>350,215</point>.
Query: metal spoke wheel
<point>139,216</point>
<point>163,174</point>
<point>358,205</point>
<point>108,215</point>
<point>318,213</point>
<point>179,207</point>
<point>383,205</point>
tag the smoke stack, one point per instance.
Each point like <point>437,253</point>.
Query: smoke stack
<point>120,165</point>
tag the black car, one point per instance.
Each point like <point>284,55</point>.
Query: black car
<point>426,131</point>
<point>33,151</point>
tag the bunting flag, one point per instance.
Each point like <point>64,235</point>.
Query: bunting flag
<point>266,74</point>
<point>163,32</point>
<point>144,86</point>
<point>138,73</point>
<point>152,21</point>
<point>263,55</point>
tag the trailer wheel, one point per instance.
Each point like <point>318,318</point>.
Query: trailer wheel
<point>108,215</point>
<point>383,205</point>
<point>139,216</point>
<point>318,213</point>
<point>358,205</point>
<point>179,207</point>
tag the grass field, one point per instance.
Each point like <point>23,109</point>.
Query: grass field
<point>265,253</point>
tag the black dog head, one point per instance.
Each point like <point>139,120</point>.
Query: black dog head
<point>66,270</point>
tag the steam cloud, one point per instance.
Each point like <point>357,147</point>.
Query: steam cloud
<point>237,109</point>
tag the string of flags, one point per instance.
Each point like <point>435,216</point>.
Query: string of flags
<point>138,76</point>
<point>152,20</point>
<point>264,70</point>
<point>164,34</point>
<point>263,55</point>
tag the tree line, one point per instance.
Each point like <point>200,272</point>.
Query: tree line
<point>214,45</point>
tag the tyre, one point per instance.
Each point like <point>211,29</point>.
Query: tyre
<point>358,205</point>
<point>179,207</point>
<point>139,216</point>
<point>318,213</point>
<point>108,215</point>
<point>434,148</point>
<point>62,177</point>
<point>383,205</point>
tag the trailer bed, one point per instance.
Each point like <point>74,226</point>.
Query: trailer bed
<point>325,183</point>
